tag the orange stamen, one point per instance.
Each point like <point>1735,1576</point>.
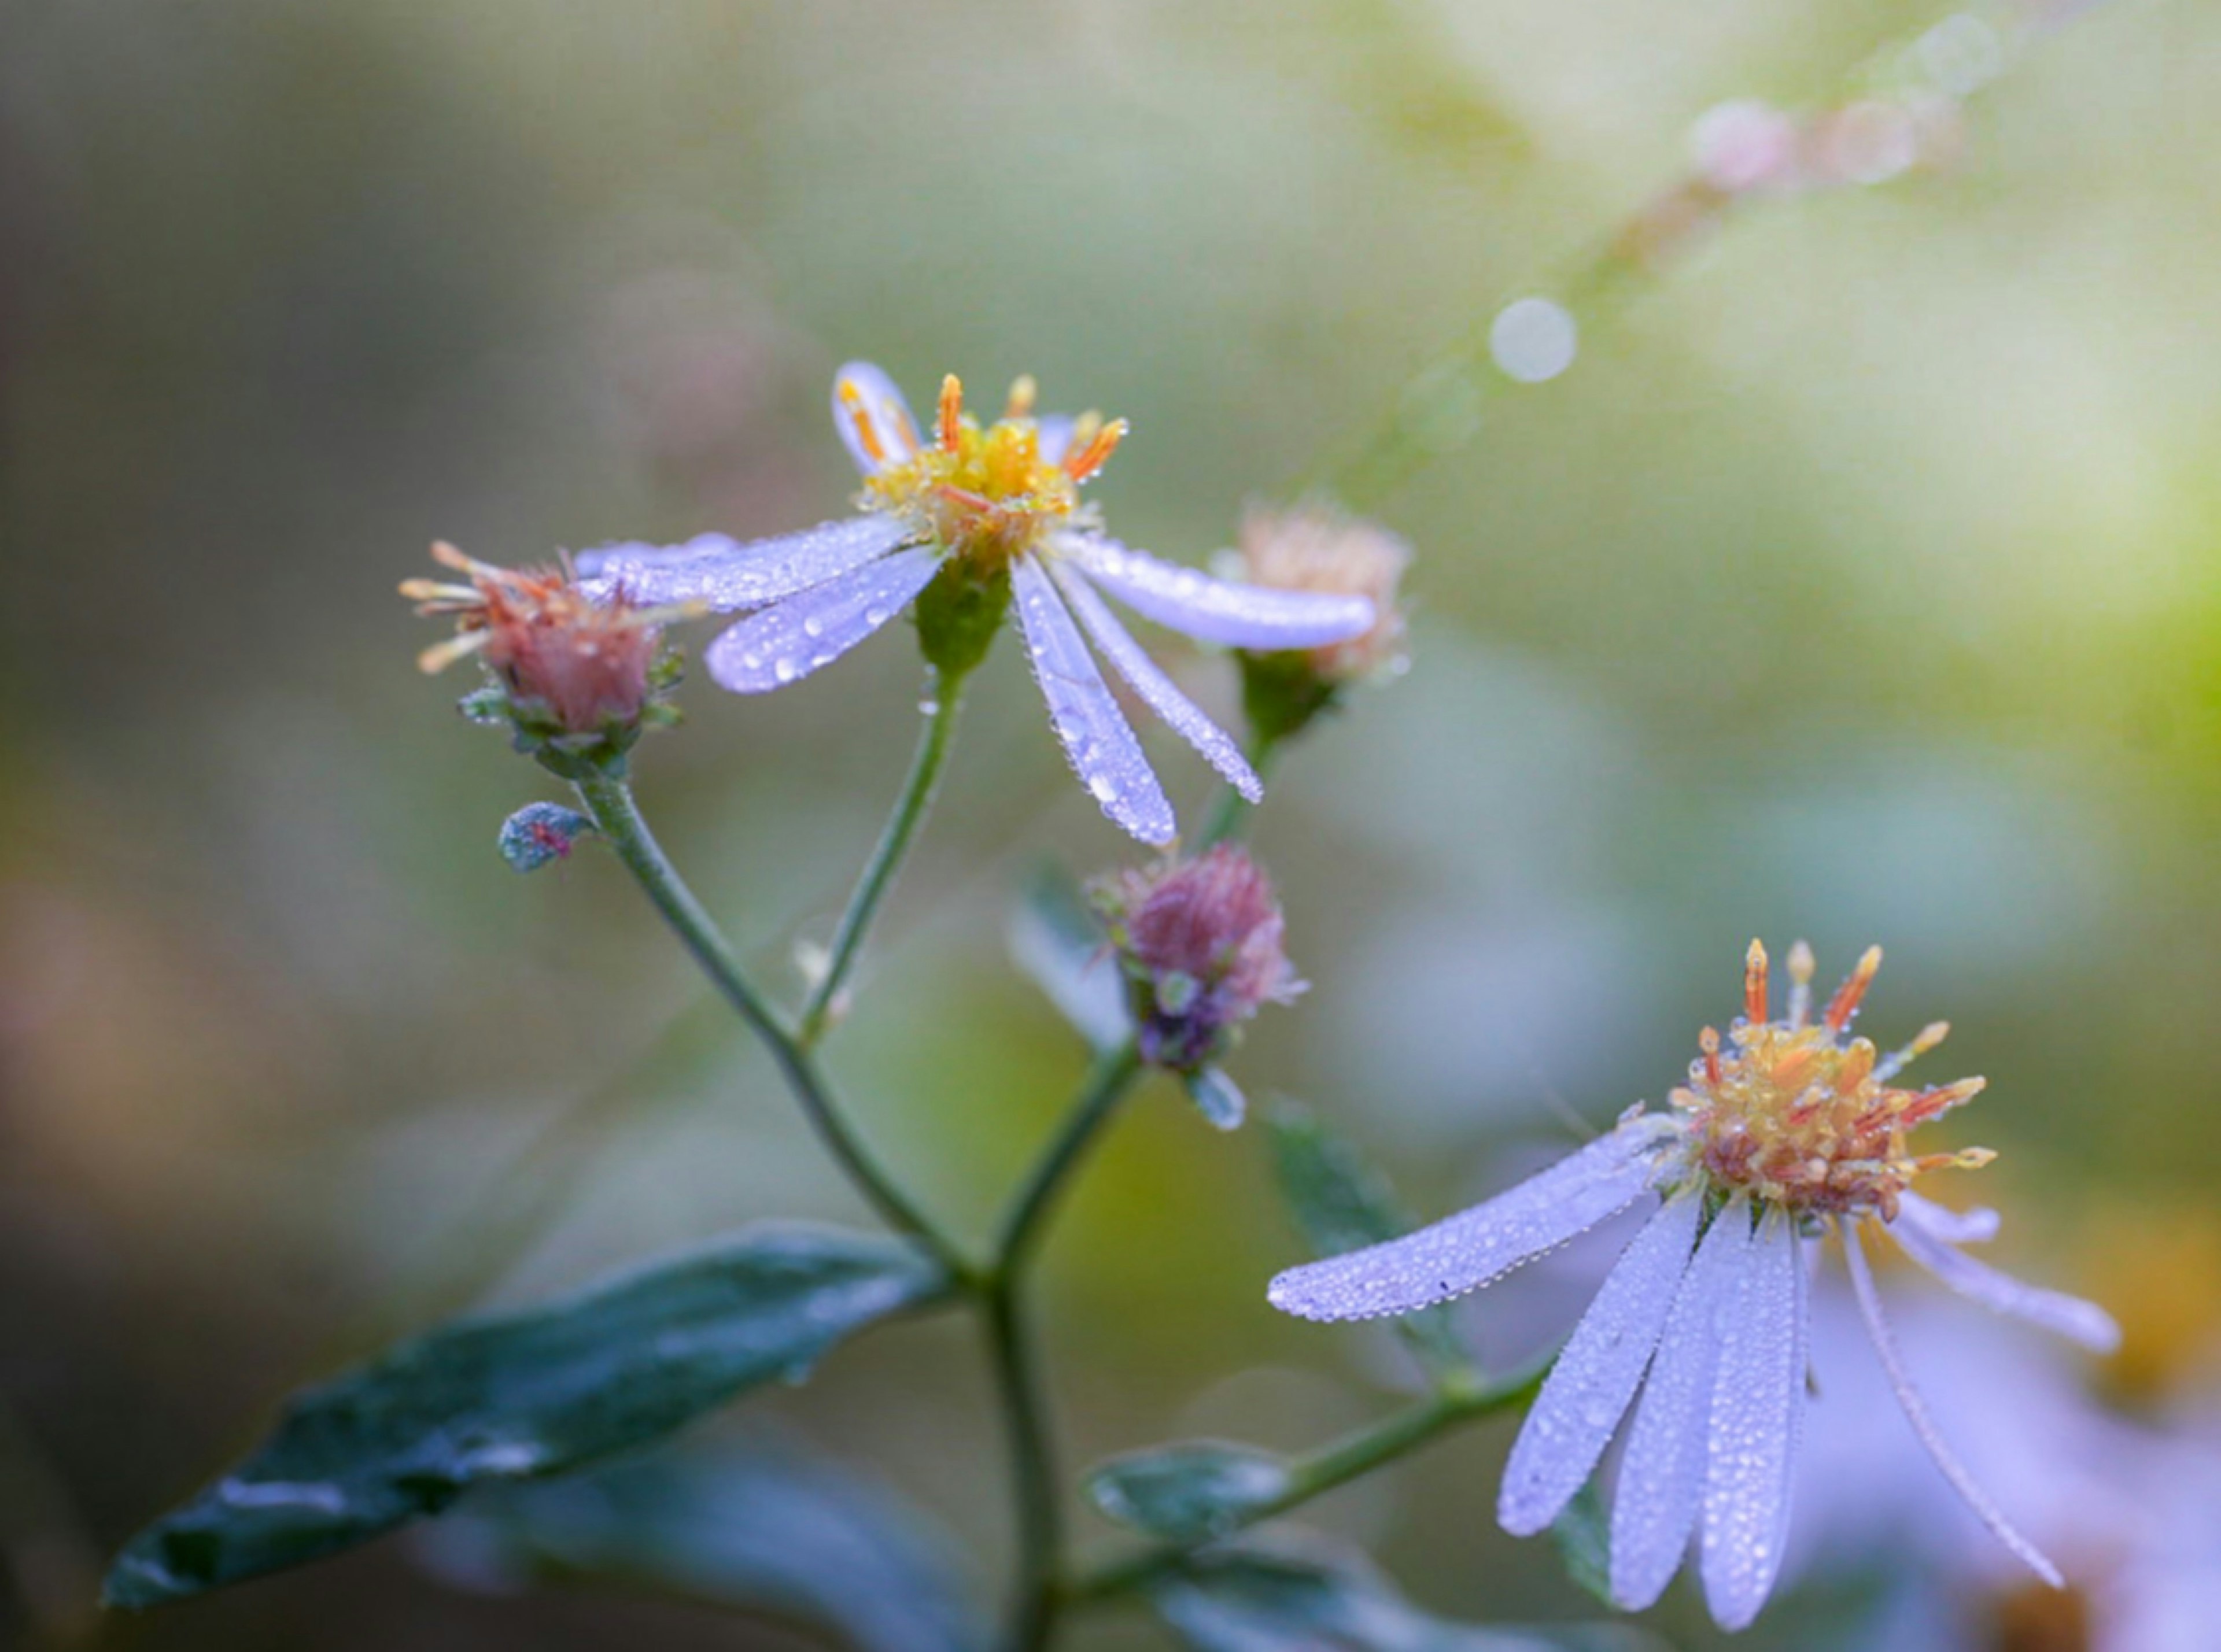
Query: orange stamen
<point>859,417</point>
<point>950,428</point>
<point>1023,392</point>
<point>1845,1004</point>
<point>1753,983</point>
<point>1084,461</point>
<point>1709,1042</point>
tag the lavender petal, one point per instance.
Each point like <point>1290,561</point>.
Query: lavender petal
<point>1916,1413</point>
<point>1589,1388</point>
<point>1975,1226</point>
<point>1104,752</point>
<point>792,638</point>
<point>1468,1250</point>
<point>1238,616</point>
<point>1916,1233</point>
<point>1158,691</point>
<point>863,393</point>
<point>1757,1421</point>
<point>1663,1477</point>
<point>726,574</point>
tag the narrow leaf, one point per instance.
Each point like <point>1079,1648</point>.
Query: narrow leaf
<point>1285,1593</point>
<point>1342,1202</point>
<point>521,1395</point>
<point>1203,1489</point>
<point>1056,940</point>
<point>767,1523</point>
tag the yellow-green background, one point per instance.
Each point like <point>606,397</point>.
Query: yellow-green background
<point>1860,582</point>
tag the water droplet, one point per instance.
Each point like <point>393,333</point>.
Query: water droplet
<point>813,626</point>
<point>786,670</point>
<point>930,706</point>
<point>1104,788</point>
<point>1533,339</point>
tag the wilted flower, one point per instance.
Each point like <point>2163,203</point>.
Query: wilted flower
<point>1316,546</point>
<point>1790,1128</point>
<point>964,525</point>
<point>1200,943</point>
<point>575,672</point>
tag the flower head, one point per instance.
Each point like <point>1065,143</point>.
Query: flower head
<point>1791,1128</point>
<point>573,671</point>
<point>1200,942</point>
<point>976,522</point>
<point>1316,547</point>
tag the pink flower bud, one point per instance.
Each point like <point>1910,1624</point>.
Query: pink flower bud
<point>1315,547</point>
<point>1201,943</point>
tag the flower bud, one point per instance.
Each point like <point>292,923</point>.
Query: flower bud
<point>1200,943</point>
<point>575,677</point>
<point>1317,547</point>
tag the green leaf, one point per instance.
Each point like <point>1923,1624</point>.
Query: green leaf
<point>524,1394</point>
<point>1204,1489</point>
<point>1056,940</point>
<point>1275,1595</point>
<point>1343,1203</point>
<point>768,1525</point>
<point>1583,1533</point>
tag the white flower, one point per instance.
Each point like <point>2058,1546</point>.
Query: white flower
<point>1790,1130</point>
<point>995,502</point>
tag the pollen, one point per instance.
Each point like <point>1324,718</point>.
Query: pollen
<point>1795,1111</point>
<point>986,493</point>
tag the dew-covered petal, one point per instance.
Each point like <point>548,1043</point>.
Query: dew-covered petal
<point>815,628</point>
<point>725,574</point>
<point>1588,1389</point>
<point>1663,1477</point>
<point>1468,1250</point>
<point>873,418</point>
<point>1915,1233</point>
<point>1757,1421</point>
<point>1158,692</point>
<point>1916,1413</point>
<point>1104,752</point>
<point>1238,616</point>
<point>1975,1226</point>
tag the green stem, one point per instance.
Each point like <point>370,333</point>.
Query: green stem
<point>1230,815</point>
<point>1337,1464</point>
<point>1035,1594</point>
<point>1112,1075</point>
<point>609,800</point>
<point>943,693</point>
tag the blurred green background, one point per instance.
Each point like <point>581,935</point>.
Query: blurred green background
<point>1860,582</point>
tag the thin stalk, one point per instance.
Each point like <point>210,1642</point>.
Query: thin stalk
<point>910,807</point>
<point>609,802</point>
<point>1037,1589</point>
<point>1230,815</point>
<point>1337,1464</point>
<point>1112,1075</point>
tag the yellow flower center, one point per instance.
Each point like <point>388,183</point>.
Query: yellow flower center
<point>1795,1113</point>
<point>987,494</point>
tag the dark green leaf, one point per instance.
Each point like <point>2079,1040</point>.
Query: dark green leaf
<point>1185,1492</point>
<point>1285,1592</point>
<point>524,1394</point>
<point>1057,941</point>
<point>1584,1537</point>
<point>768,1525</point>
<point>1343,1203</point>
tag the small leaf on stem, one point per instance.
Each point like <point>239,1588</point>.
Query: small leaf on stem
<point>525,1395</point>
<point>1201,1489</point>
